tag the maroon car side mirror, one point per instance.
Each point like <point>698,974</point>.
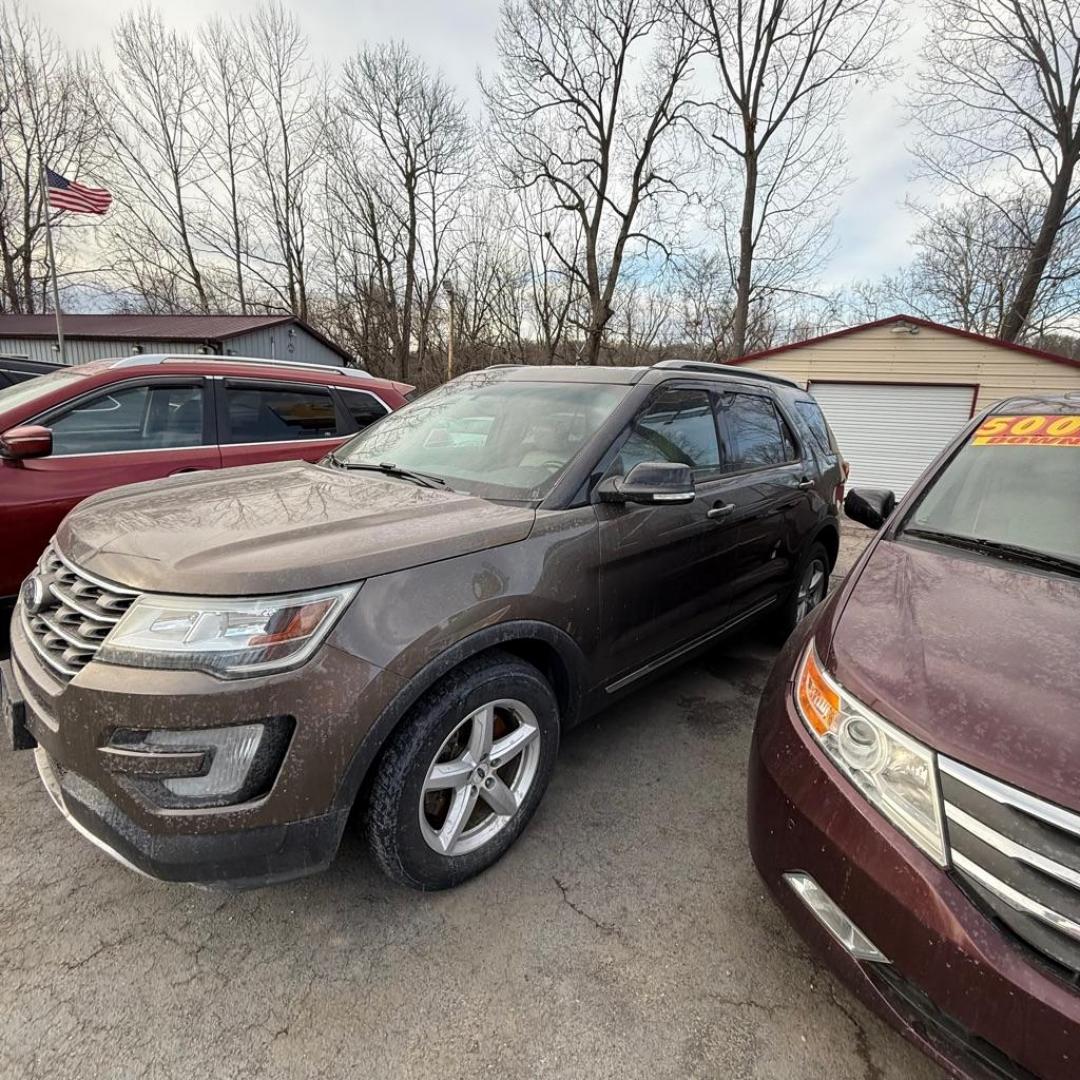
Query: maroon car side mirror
<point>30,441</point>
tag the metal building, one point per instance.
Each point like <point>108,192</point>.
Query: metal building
<point>91,337</point>
<point>897,390</point>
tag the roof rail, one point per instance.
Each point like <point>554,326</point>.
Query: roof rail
<point>186,358</point>
<point>358,373</point>
<point>725,369</point>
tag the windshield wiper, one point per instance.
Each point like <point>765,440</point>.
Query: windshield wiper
<point>1003,550</point>
<point>388,468</point>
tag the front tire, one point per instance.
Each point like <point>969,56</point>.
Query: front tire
<point>463,774</point>
<point>810,589</point>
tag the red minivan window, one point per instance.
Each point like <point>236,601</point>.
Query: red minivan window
<point>120,435</point>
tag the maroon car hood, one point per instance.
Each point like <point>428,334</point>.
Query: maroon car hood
<point>978,658</point>
<point>277,528</point>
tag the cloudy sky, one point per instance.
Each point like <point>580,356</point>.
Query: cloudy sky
<point>872,228</point>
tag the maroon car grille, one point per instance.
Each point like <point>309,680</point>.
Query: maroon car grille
<point>66,628</point>
<point>1020,856</point>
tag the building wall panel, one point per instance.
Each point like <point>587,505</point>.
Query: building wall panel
<point>881,355</point>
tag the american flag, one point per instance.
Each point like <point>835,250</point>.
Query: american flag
<point>66,194</point>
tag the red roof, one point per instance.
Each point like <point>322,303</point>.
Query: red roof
<point>1042,354</point>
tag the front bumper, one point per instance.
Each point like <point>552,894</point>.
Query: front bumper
<point>957,986</point>
<point>292,828</point>
<point>253,857</point>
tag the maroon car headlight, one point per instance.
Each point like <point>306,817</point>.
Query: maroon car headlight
<point>224,636</point>
<point>891,769</point>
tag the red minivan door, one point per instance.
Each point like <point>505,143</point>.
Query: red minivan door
<point>123,434</point>
<point>271,420</point>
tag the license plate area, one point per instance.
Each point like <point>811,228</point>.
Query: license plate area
<point>13,711</point>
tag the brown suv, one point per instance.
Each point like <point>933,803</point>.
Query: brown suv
<point>216,668</point>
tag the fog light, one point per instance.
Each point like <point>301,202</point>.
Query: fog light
<point>231,751</point>
<point>201,767</point>
<point>830,915</point>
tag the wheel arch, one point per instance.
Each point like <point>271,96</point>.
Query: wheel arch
<point>828,536</point>
<point>552,651</point>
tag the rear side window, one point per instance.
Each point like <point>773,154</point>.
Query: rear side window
<point>363,408</point>
<point>814,419</point>
<point>279,414</point>
<point>134,418</point>
<point>678,426</point>
<point>756,433</point>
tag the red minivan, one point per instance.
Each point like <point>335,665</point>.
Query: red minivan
<point>914,781</point>
<point>83,429</point>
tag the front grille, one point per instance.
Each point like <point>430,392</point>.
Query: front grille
<point>76,615</point>
<point>1019,855</point>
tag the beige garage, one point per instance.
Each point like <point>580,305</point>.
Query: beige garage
<point>896,391</point>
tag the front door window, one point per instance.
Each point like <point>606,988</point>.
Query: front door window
<point>132,418</point>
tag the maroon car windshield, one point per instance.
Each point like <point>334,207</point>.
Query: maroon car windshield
<point>1015,483</point>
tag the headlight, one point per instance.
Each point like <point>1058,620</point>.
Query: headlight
<point>222,636</point>
<point>895,772</point>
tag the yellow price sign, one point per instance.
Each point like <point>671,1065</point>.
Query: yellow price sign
<point>1033,430</point>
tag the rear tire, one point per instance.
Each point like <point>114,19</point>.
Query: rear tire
<point>463,774</point>
<point>810,589</point>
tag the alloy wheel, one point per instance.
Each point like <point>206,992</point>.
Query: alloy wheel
<point>811,589</point>
<point>480,776</point>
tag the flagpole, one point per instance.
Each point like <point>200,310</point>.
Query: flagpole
<point>52,261</point>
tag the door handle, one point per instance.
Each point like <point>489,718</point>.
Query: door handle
<point>805,483</point>
<point>720,510</point>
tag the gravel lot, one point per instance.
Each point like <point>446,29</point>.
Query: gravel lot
<point>625,935</point>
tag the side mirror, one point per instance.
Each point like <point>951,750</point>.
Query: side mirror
<point>869,507</point>
<point>26,442</point>
<point>651,483</point>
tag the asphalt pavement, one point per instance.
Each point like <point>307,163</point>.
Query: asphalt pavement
<point>625,935</point>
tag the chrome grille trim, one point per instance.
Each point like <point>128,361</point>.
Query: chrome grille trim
<point>1015,898</point>
<point>70,601</point>
<point>1054,815</point>
<point>101,583</point>
<point>43,654</point>
<point>68,636</point>
<point>80,611</point>
<point>1019,857</point>
<point>1010,848</point>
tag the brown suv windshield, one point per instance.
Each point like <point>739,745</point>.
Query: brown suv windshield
<point>1020,490</point>
<point>498,440</point>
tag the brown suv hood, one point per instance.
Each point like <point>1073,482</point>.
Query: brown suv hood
<point>277,528</point>
<point>973,656</point>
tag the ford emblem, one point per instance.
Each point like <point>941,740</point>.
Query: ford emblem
<point>33,594</point>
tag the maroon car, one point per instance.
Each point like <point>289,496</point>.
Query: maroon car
<point>83,429</point>
<point>914,796</point>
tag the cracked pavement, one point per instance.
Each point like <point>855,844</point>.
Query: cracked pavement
<point>624,935</point>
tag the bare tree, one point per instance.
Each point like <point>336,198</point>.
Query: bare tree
<point>998,104</point>
<point>45,113</point>
<point>401,152</point>
<point>588,103</point>
<point>229,145</point>
<point>970,258</point>
<point>288,145</point>
<point>151,108</point>
<point>785,69</point>
<point>552,242</point>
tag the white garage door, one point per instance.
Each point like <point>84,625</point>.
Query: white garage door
<point>889,434</point>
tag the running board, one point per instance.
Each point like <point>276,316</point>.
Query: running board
<point>690,646</point>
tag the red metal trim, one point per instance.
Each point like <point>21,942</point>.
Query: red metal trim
<point>1041,354</point>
